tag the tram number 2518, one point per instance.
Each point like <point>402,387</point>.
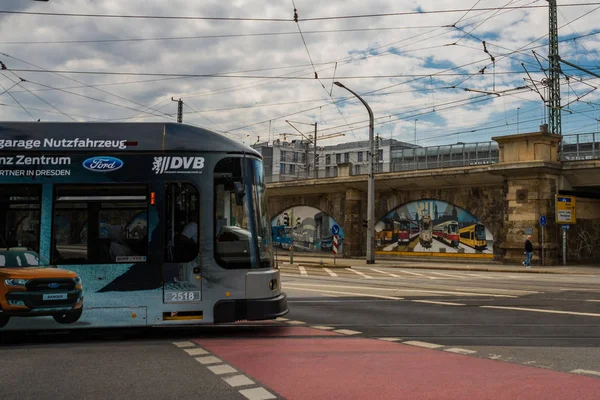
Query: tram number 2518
<point>176,297</point>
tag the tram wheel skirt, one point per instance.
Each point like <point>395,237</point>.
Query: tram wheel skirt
<point>250,309</point>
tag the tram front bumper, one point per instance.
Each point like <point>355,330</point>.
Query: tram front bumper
<point>250,309</point>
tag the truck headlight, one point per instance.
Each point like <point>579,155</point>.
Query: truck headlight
<point>77,281</point>
<point>16,282</point>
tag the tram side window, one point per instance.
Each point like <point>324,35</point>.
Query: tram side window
<point>233,238</point>
<point>101,224</point>
<point>19,219</point>
<point>182,209</point>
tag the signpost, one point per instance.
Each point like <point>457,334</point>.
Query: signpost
<point>335,247</point>
<point>565,215</point>
<point>543,224</point>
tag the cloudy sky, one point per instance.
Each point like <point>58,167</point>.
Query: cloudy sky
<point>243,68</point>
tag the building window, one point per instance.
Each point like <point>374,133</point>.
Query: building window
<point>295,157</point>
<point>346,157</point>
<point>338,158</point>
<point>100,224</point>
<point>328,159</point>
<point>380,155</point>
<point>360,156</point>
<point>282,169</point>
<point>292,169</point>
<point>20,222</point>
<point>357,170</point>
<point>327,171</point>
<point>182,210</point>
<point>282,156</point>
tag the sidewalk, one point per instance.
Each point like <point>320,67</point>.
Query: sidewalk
<point>453,265</point>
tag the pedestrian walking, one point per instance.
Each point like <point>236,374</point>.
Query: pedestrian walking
<point>528,252</point>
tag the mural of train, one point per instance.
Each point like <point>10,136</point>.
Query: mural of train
<point>425,231</point>
<point>447,232</point>
<point>407,230</point>
<point>474,236</point>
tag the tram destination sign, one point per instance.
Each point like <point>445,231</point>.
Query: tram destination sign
<point>565,209</point>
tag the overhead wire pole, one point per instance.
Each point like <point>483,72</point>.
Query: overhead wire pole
<point>554,84</point>
<point>179,110</point>
<point>371,183</point>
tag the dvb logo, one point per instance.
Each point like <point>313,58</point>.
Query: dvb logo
<point>178,165</point>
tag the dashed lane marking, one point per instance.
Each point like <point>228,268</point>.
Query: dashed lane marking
<point>595,301</point>
<point>184,344</point>
<point>449,275</point>
<point>208,360</point>
<point>423,344</point>
<point>222,369</point>
<point>302,270</point>
<point>360,273</point>
<point>257,394</point>
<point>385,273</point>
<point>295,322</point>
<point>458,293</point>
<point>345,293</point>
<point>442,303</point>
<point>196,351</point>
<point>460,351</point>
<point>586,372</point>
<point>323,328</point>
<point>390,339</point>
<point>281,319</point>
<point>347,332</point>
<point>330,272</point>
<point>238,380</point>
<point>417,274</point>
<point>541,310</point>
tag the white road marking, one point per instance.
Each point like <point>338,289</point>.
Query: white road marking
<point>460,351</point>
<point>347,332</point>
<point>328,295</point>
<point>390,339</point>
<point>449,275</point>
<point>281,319</point>
<point>585,372</point>
<point>385,273</point>
<point>324,328</point>
<point>238,380</point>
<point>595,301</point>
<point>360,273</point>
<point>543,311</point>
<point>480,276</point>
<point>400,290</point>
<point>196,352</point>
<point>423,344</point>
<point>208,360</point>
<point>346,293</point>
<point>581,290</point>
<point>417,274</point>
<point>184,344</point>
<point>222,369</point>
<point>302,270</point>
<point>295,322</point>
<point>330,272</point>
<point>443,303</point>
<point>257,394</point>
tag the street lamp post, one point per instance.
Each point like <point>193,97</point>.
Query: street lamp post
<point>371,183</point>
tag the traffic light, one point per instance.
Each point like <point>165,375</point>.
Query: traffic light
<point>298,221</point>
<point>286,219</point>
<point>365,223</point>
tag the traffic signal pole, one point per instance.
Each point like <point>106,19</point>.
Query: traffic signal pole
<point>292,235</point>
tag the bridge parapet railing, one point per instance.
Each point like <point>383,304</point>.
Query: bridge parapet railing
<point>445,156</point>
<point>580,146</point>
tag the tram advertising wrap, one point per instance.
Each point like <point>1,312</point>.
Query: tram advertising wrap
<point>432,227</point>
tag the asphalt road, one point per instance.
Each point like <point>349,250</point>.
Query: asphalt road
<point>351,333</point>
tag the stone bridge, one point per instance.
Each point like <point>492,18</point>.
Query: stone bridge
<point>507,198</point>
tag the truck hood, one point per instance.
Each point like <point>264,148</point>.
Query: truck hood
<point>35,273</point>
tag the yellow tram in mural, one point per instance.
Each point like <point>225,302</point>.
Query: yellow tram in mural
<point>474,236</point>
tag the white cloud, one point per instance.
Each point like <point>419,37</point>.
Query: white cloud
<point>392,51</point>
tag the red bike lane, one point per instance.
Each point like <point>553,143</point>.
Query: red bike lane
<point>306,363</point>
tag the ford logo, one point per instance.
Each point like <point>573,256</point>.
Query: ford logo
<point>53,285</point>
<point>102,164</point>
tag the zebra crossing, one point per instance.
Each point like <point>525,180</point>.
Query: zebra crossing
<point>396,273</point>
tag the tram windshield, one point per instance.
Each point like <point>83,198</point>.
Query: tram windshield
<point>480,232</point>
<point>242,228</point>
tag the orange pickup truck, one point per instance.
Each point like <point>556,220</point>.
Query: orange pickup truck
<point>30,290</point>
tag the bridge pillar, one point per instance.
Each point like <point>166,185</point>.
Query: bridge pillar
<point>354,208</point>
<point>529,163</point>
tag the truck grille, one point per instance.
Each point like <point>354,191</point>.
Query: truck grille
<point>44,285</point>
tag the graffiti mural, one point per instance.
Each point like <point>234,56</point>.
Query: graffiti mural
<point>308,229</point>
<point>432,226</point>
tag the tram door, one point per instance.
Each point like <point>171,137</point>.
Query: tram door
<point>182,268</point>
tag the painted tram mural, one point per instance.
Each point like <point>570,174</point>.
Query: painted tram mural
<point>432,226</point>
<point>310,229</point>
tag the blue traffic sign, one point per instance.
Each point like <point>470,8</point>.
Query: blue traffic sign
<point>335,229</point>
<point>566,227</point>
<point>543,220</point>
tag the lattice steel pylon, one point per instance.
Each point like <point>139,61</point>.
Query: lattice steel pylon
<point>554,76</point>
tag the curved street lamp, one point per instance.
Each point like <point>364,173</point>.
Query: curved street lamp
<point>371,183</point>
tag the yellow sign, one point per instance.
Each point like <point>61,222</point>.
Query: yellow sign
<point>565,209</point>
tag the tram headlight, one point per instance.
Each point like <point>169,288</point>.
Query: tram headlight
<point>16,282</point>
